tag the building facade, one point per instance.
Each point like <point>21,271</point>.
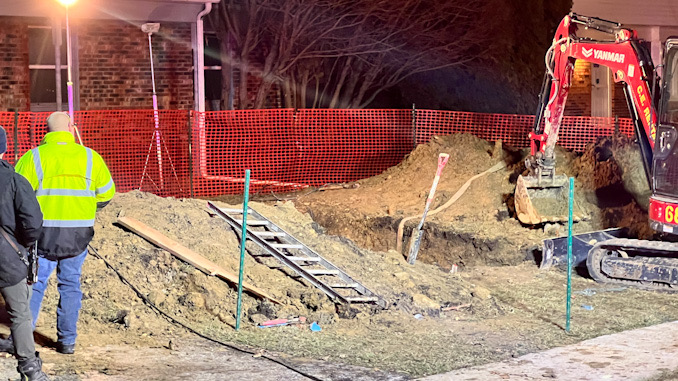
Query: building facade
<point>110,61</point>
<point>593,92</point>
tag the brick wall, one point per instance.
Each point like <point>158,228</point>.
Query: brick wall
<point>273,98</point>
<point>620,107</point>
<point>115,67</point>
<point>579,98</point>
<point>15,83</point>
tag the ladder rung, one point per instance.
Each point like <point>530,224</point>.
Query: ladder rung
<point>269,234</point>
<point>231,211</point>
<point>306,259</point>
<point>287,246</point>
<point>345,285</point>
<point>254,222</point>
<point>359,299</point>
<point>322,272</point>
<point>271,238</point>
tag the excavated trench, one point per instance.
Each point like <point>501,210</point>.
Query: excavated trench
<point>480,227</point>
<point>442,244</point>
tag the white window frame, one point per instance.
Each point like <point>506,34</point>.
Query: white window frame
<point>59,104</point>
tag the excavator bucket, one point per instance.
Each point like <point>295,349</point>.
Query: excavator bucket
<point>540,202</point>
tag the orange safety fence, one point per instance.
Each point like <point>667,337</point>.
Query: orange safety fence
<point>206,154</point>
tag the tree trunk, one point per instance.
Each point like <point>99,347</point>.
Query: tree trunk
<point>267,79</point>
<point>347,97</point>
<point>316,97</point>
<point>262,92</point>
<point>340,83</point>
<point>303,91</point>
<point>321,94</point>
<point>288,93</point>
<point>243,101</point>
<point>368,80</point>
<point>227,88</point>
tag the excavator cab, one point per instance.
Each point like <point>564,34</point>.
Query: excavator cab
<point>665,154</point>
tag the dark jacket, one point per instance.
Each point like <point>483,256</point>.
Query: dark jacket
<point>20,216</point>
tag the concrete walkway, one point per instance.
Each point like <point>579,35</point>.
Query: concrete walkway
<point>192,358</point>
<point>632,355</point>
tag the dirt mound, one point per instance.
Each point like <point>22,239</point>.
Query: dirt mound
<point>400,189</point>
<point>209,305</point>
<point>476,229</point>
<point>436,320</point>
<point>611,177</point>
<point>480,227</point>
<point>613,161</point>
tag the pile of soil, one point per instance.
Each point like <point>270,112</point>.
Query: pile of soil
<point>435,320</point>
<point>612,178</point>
<point>113,312</point>
<point>466,234</point>
<point>480,227</point>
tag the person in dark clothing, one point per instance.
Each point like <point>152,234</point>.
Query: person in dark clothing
<point>21,224</point>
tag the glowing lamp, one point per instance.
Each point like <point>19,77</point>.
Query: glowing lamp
<point>69,84</point>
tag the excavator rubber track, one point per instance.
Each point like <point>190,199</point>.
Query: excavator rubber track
<point>647,265</point>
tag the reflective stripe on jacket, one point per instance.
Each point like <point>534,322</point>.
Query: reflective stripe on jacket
<point>69,180</point>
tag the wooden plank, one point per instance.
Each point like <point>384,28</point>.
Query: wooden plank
<point>187,255</point>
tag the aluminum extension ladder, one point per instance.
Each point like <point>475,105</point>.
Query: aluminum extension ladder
<point>308,264</point>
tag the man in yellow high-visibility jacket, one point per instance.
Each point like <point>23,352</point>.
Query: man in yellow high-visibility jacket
<point>71,182</point>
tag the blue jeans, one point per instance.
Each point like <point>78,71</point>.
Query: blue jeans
<point>70,296</point>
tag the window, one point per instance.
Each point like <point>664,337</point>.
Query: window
<point>212,72</point>
<point>665,165</point>
<point>42,57</point>
<point>670,94</point>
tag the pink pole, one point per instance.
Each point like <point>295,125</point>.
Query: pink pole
<point>156,117</point>
<point>158,150</point>
<point>69,84</point>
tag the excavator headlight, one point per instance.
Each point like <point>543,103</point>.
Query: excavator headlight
<point>623,35</point>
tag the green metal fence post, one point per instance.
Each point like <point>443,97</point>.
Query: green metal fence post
<point>243,238</point>
<point>570,202</point>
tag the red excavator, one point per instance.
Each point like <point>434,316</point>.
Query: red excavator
<point>654,109</point>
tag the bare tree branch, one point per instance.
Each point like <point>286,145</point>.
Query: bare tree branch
<point>356,48</point>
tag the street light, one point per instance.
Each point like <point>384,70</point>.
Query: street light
<point>69,59</point>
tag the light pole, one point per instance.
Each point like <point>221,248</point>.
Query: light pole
<point>69,59</point>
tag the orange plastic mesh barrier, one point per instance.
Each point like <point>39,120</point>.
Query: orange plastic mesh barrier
<point>289,150</point>
<point>575,132</point>
<point>206,154</point>
<point>9,124</point>
<point>126,141</point>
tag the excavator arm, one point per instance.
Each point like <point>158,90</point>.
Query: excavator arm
<point>653,264</point>
<point>629,62</point>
